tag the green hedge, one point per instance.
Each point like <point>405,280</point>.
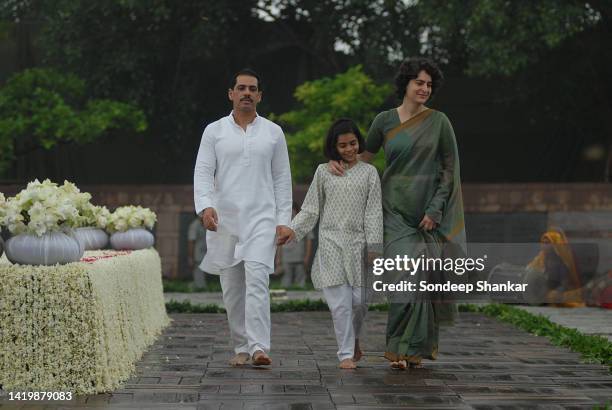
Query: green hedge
<point>187,286</point>
<point>304,305</point>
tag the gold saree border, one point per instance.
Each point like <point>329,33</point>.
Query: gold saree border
<point>422,116</point>
<point>414,359</point>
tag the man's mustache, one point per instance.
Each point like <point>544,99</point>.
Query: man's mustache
<point>246,99</point>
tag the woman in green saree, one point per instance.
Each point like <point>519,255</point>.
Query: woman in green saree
<point>422,206</point>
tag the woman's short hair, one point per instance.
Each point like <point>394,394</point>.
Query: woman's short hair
<point>339,127</point>
<point>410,69</point>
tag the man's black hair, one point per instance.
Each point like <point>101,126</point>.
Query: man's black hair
<point>249,72</point>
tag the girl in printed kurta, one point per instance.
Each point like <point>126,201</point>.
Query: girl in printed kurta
<point>349,212</point>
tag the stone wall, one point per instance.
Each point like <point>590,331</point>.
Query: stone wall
<point>174,203</point>
<point>540,197</point>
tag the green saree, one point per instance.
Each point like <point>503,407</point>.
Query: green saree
<point>421,178</point>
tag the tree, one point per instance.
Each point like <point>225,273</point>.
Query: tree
<point>174,58</point>
<point>557,53</point>
<point>40,108</point>
<point>502,37</point>
<point>374,33</point>
<point>351,94</point>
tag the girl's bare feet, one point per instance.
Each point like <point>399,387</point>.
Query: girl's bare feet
<point>347,364</point>
<point>358,353</point>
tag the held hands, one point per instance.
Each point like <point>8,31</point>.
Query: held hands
<point>284,234</point>
<point>427,223</point>
<point>210,220</point>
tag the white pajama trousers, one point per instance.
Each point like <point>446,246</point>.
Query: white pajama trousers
<point>246,298</point>
<point>348,310</point>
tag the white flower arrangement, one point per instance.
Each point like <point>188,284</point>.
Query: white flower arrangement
<point>128,217</point>
<point>95,320</point>
<point>40,208</point>
<point>93,216</point>
<point>46,207</point>
<point>89,215</point>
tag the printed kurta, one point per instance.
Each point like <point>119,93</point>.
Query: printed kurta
<point>245,176</point>
<point>349,212</point>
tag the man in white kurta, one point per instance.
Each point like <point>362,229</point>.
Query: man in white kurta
<point>242,190</point>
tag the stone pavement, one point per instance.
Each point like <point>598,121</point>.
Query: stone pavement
<point>484,364</point>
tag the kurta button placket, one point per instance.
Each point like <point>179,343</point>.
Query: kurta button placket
<point>247,145</point>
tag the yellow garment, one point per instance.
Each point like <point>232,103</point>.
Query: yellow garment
<point>560,245</point>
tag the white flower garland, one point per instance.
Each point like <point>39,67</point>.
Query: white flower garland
<point>78,327</point>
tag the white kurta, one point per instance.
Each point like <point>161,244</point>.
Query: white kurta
<point>246,177</point>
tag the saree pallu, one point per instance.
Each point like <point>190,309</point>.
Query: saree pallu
<point>421,178</point>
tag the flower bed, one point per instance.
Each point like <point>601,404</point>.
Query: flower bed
<point>78,327</point>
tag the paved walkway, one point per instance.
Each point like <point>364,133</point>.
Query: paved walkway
<point>484,364</point>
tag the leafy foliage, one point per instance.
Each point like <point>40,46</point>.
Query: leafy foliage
<point>502,37</point>
<point>173,58</point>
<point>350,94</point>
<point>43,107</point>
<point>375,33</point>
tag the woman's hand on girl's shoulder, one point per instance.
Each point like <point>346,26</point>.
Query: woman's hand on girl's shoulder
<point>335,167</point>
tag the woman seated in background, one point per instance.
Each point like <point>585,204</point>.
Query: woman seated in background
<point>556,260</point>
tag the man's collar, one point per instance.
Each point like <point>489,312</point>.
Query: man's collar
<point>231,118</point>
